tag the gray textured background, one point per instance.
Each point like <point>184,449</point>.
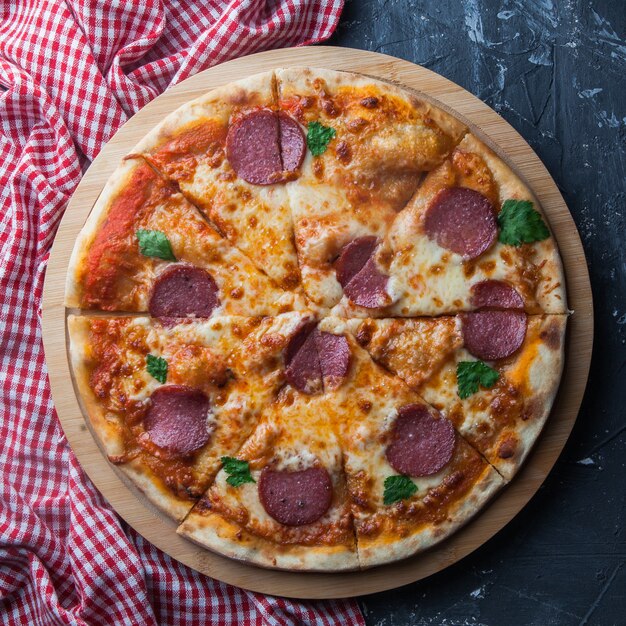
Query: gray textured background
<point>556,71</point>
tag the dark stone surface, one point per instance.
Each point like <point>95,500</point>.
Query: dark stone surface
<point>556,71</point>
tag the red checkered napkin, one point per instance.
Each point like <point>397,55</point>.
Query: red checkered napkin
<point>71,72</point>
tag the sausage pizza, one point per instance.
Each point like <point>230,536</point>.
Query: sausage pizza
<point>316,321</point>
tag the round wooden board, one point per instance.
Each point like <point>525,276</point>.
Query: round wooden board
<point>130,504</point>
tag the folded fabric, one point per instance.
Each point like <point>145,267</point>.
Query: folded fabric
<point>72,72</point>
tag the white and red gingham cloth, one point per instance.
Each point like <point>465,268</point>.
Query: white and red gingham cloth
<point>71,72</point>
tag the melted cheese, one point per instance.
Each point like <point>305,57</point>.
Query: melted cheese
<point>189,148</point>
<point>254,218</point>
<point>259,242</point>
<point>115,276</point>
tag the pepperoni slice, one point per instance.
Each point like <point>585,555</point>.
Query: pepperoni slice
<point>492,335</point>
<point>421,443</point>
<point>303,369</point>
<point>263,145</point>
<point>183,290</point>
<point>496,294</point>
<point>177,419</point>
<point>296,498</point>
<point>358,274</point>
<point>462,220</point>
<point>252,147</point>
<point>353,257</point>
<point>369,287</point>
<point>292,142</point>
<point>334,356</point>
<point>315,359</point>
<point>297,339</point>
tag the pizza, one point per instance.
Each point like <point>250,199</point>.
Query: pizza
<point>294,510</point>
<point>316,321</point>
<point>466,224</point>
<point>169,398</point>
<point>384,140</point>
<point>499,408</point>
<point>204,149</point>
<point>144,239</point>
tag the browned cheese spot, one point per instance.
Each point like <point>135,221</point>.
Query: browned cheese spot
<point>551,335</point>
<point>355,125</point>
<point>318,168</point>
<point>507,448</point>
<point>371,102</point>
<point>343,152</point>
<point>364,334</point>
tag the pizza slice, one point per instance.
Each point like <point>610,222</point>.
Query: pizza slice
<point>472,220</point>
<point>368,144</point>
<point>412,479</point>
<point>146,248</point>
<point>168,401</point>
<point>281,502</point>
<point>230,154</point>
<point>493,373</point>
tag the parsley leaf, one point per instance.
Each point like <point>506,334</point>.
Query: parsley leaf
<point>238,471</point>
<point>318,136</point>
<point>398,488</point>
<point>157,367</point>
<point>520,223</point>
<point>471,374</point>
<point>155,243</point>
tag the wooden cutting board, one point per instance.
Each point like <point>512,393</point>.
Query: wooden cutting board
<point>131,505</point>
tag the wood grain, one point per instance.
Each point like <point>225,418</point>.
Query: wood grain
<point>160,531</point>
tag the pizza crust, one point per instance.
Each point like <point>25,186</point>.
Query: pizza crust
<point>256,90</point>
<point>543,381</point>
<point>220,535</point>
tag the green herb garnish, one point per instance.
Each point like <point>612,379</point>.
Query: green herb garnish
<point>318,136</point>
<point>472,374</point>
<point>520,223</point>
<point>157,367</point>
<point>238,471</point>
<point>398,488</point>
<point>155,243</point>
